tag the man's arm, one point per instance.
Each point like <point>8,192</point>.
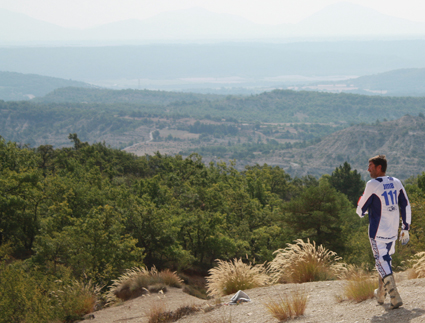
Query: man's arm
<point>365,200</point>
<point>405,210</point>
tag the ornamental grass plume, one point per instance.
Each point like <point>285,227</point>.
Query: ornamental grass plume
<point>416,265</point>
<point>304,262</point>
<point>75,299</point>
<point>138,281</point>
<point>230,276</point>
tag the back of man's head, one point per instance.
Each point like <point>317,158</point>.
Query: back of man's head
<point>380,160</point>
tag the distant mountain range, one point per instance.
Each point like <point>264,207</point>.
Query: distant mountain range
<point>337,20</point>
<point>167,66</point>
<point>18,86</point>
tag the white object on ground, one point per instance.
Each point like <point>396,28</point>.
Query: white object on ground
<point>239,297</point>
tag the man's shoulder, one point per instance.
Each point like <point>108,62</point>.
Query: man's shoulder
<point>374,181</point>
<point>393,179</point>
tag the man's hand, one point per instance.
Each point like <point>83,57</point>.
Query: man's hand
<point>404,237</point>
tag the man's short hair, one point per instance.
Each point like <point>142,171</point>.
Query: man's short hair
<point>380,160</point>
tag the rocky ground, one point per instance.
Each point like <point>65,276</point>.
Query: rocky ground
<point>323,305</point>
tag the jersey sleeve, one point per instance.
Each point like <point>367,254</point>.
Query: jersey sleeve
<point>405,209</point>
<point>365,200</point>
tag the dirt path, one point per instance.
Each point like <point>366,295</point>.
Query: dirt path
<point>322,306</point>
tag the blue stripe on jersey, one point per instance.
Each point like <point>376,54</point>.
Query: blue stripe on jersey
<point>402,202</point>
<point>379,179</point>
<point>374,208</point>
<point>374,215</point>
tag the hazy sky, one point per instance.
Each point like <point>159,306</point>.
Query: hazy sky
<point>84,13</point>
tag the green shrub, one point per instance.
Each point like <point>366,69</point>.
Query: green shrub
<point>22,297</point>
<point>34,296</point>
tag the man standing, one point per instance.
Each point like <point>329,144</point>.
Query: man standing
<point>385,200</point>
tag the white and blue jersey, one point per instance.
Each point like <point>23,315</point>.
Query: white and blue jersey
<point>385,200</point>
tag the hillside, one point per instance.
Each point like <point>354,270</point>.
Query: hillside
<point>274,106</point>
<point>107,96</point>
<point>322,306</point>
<point>295,130</point>
<point>18,86</point>
<point>401,140</point>
<point>400,82</point>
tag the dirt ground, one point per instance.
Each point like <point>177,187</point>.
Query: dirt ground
<point>322,306</point>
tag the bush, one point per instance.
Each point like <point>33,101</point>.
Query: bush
<point>229,277</point>
<point>22,298</point>
<point>137,281</point>
<point>303,262</point>
<point>287,307</point>
<point>34,296</point>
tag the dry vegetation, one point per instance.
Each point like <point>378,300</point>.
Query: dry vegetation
<point>159,314</point>
<point>229,277</point>
<point>287,306</point>
<point>138,281</point>
<point>359,286</point>
<point>304,262</point>
<point>416,266</point>
<point>78,298</point>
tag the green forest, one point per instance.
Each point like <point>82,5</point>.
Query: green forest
<point>313,115</point>
<point>274,106</point>
<point>88,212</point>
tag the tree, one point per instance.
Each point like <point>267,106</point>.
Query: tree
<point>421,181</point>
<point>347,181</point>
<point>320,213</point>
<point>155,135</point>
<point>94,246</point>
<point>20,195</point>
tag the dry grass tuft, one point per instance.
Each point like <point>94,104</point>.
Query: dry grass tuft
<point>304,262</point>
<point>169,278</point>
<point>159,314</point>
<point>286,307</point>
<point>416,265</point>
<point>139,281</point>
<point>230,276</point>
<point>360,286</point>
<point>225,316</point>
